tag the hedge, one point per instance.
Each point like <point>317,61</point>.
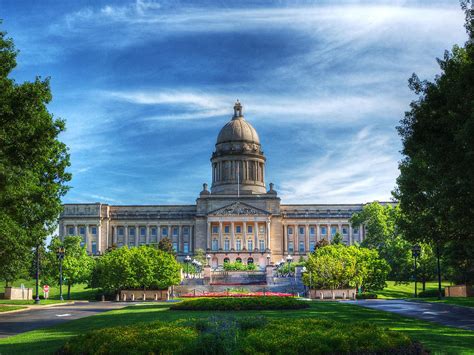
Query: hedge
<point>248,335</point>
<point>240,304</point>
<point>366,296</point>
<point>431,293</point>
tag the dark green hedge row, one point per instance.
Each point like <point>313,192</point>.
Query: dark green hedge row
<point>430,293</point>
<point>240,304</point>
<point>247,335</point>
<point>366,296</point>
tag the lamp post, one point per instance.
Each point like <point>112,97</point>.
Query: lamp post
<point>289,258</point>
<point>208,257</point>
<point>187,260</point>
<point>415,252</point>
<point>60,255</point>
<point>268,259</point>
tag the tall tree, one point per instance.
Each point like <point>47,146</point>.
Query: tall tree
<point>33,163</point>
<point>436,186</point>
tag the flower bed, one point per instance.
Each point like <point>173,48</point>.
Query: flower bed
<point>240,304</point>
<point>238,294</point>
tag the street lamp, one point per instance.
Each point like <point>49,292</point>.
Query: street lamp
<point>208,257</point>
<point>416,252</point>
<point>187,260</point>
<point>289,258</point>
<point>268,259</point>
<point>60,255</point>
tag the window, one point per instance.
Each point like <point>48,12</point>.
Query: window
<point>311,245</point>
<point>131,242</point>
<point>175,231</point>
<point>312,231</point>
<point>238,260</point>
<point>249,261</point>
<point>164,231</point>
<point>356,231</point>
<point>185,247</point>
<point>215,229</point>
<point>290,247</point>
<point>226,245</point>
<point>290,230</point>
<point>186,231</point>
<point>261,245</point>
<point>344,230</point>
<point>227,229</point>
<point>323,230</point>
<point>249,229</point>
<point>301,230</point>
<point>250,244</point>
<point>333,231</point>
<point>175,246</point>
<point>82,230</point>
<point>238,229</point>
<point>261,229</point>
<point>94,248</point>
<point>120,244</point>
<point>238,245</point>
<point>120,231</point>
<point>131,231</point>
<point>71,231</point>
<point>153,232</point>
<point>301,247</point>
<point>226,260</point>
<point>215,244</point>
<point>143,231</point>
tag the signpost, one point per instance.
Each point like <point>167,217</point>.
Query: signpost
<point>46,291</point>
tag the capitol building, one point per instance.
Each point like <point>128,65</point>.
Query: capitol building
<point>237,219</point>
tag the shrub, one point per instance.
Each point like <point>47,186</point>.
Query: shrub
<point>366,296</point>
<point>430,293</point>
<point>240,304</point>
<point>247,335</point>
<point>238,266</point>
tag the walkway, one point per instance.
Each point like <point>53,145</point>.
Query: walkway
<point>454,316</point>
<point>34,318</point>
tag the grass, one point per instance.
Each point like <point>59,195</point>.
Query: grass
<point>406,290</point>
<point>78,292</point>
<point>456,301</point>
<point>10,308</point>
<point>438,338</point>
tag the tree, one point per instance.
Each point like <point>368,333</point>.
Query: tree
<point>200,255</point>
<point>33,164</point>
<point>166,246</point>
<point>435,186</point>
<point>141,267</point>
<point>337,239</point>
<point>77,264</point>
<point>383,234</point>
<point>426,268</point>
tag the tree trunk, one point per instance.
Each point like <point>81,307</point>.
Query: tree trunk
<point>424,284</point>
<point>68,290</point>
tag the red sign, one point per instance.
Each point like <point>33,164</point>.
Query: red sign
<point>45,288</point>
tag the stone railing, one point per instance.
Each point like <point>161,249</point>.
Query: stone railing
<point>347,293</point>
<point>143,295</point>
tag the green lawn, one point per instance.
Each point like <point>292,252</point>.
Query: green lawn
<point>457,301</point>
<point>406,290</point>
<point>78,292</point>
<point>9,308</point>
<point>439,339</point>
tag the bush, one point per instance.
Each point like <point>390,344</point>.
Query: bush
<point>366,296</point>
<point>240,304</point>
<point>430,293</point>
<point>247,335</point>
<point>239,267</point>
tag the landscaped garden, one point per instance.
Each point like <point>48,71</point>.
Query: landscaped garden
<point>240,304</point>
<point>145,317</point>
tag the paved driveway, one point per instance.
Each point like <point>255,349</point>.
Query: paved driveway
<point>454,316</point>
<point>19,322</point>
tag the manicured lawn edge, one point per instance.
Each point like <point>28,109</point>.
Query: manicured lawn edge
<point>8,308</point>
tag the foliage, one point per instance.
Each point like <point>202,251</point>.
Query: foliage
<point>435,186</point>
<point>337,266</point>
<point>200,255</point>
<point>140,267</point>
<point>33,166</point>
<point>77,264</point>
<point>366,296</point>
<point>166,245</point>
<point>239,266</point>
<point>287,268</point>
<point>337,239</point>
<point>247,335</point>
<point>240,304</point>
<point>430,293</point>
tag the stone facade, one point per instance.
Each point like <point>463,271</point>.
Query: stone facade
<point>238,219</point>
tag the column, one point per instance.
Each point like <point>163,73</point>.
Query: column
<point>296,239</point>
<point>99,238</point>
<point>285,238</point>
<point>244,235</point>
<point>268,235</point>
<point>328,232</point>
<point>351,238</point>
<point>208,235</point>
<point>147,236</point>
<point>191,239</point>
<point>180,238</point>
<point>137,235</point>
<point>220,235</point>
<point>306,239</point>
<point>158,232</point>
<point>255,234</point>
<point>88,239</point>
<point>361,233</point>
<point>126,234</point>
<point>318,232</point>
<point>75,229</point>
<point>64,230</point>
<point>232,230</point>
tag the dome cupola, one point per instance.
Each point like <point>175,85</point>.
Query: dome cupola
<point>238,162</point>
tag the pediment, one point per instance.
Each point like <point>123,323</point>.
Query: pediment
<point>239,209</point>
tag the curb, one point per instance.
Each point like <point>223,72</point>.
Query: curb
<point>30,307</point>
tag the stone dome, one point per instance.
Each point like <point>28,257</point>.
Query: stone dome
<point>238,129</point>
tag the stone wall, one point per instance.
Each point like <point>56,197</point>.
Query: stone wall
<point>141,295</point>
<point>459,291</point>
<point>348,293</point>
<point>18,293</point>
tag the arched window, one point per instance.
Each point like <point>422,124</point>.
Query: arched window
<point>238,260</point>
<point>238,245</point>
<point>226,245</point>
<point>250,261</point>
<point>250,244</point>
<point>226,260</point>
<point>215,244</point>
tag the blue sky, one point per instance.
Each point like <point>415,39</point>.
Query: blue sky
<point>145,87</point>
